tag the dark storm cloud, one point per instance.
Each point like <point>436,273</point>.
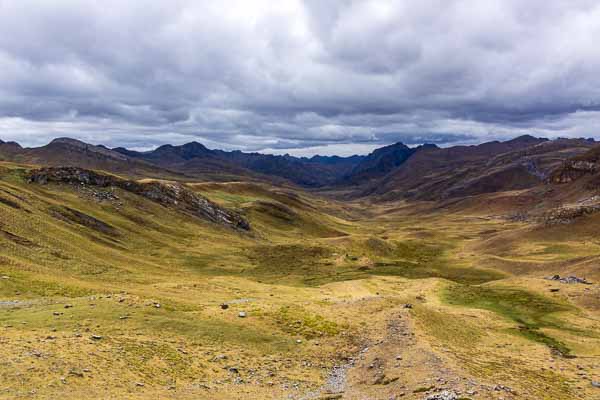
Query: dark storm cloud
<point>314,76</point>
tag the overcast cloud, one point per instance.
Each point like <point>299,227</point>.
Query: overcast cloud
<point>302,77</point>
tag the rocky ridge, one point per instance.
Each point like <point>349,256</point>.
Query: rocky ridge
<point>172,195</point>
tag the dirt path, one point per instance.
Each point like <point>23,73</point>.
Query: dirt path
<point>400,366</point>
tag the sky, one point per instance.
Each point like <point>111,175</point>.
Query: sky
<point>299,77</point>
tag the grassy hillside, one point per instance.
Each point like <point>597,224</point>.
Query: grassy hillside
<point>107,294</point>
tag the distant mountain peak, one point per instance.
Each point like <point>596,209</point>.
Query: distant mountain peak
<point>195,144</point>
<point>527,139</point>
<point>379,162</point>
<point>428,146</point>
<point>194,148</point>
<point>13,145</point>
<point>74,145</point>
<point>69,141</point>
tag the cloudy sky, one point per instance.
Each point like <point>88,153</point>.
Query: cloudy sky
<point>305,77</point>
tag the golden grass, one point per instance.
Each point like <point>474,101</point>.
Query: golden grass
<point>311,277</point>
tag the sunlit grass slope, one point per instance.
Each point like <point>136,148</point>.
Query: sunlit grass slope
<point>106,294</point>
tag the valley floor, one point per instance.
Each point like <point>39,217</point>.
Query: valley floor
<point>126,299</point>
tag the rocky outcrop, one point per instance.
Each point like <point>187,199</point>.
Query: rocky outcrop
<point>172,195</point>
<point>568,213</point>
<point>568,279</point>
<point>573,170</point>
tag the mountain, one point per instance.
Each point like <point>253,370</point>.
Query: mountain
<point>194,158</point>
<point>192,161</point>
<point>378,163</point>
<point>9,149</point>
<point>391,172</point>
<point>439,173</point>
<point>71,152</point>
<point>169,154</point>
<point>567,194</point>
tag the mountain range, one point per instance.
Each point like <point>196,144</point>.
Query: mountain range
<point>425,172</point>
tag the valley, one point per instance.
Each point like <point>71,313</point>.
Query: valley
<point>151,284</point>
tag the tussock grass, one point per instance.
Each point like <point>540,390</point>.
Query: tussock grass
<point>531,312</point>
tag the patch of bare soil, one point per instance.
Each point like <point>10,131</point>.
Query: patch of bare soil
<point>403,366</point>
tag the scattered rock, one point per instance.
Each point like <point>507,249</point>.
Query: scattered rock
<point>387,381</point>
<point>96,337</point>
<point>68,305</point>
<point>445,395</point>
<point>76,373</point>
<point>36,353</point>
<point>224,306</point>
<point>596,384</point>
<point>408,305</point>
<point>568,279</point>
<point>500,388</point>
<point>566,214</point>
<point>242,314</point>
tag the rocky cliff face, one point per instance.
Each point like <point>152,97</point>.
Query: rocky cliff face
<point>573,170</point>
<point>172,195</point>
<point>577,167</point>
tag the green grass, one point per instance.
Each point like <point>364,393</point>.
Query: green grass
<point>297,321</point>
<point>419,260</point>
<point>447,327</point>
<point>530,311</point>
<point>101,316</point>
<point>315,265</point>
<point>423,389</point>
<point>293,264</point>
<point>230,199</point>
<point>466,275</point>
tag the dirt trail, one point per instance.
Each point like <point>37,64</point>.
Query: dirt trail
<point>402,366</point>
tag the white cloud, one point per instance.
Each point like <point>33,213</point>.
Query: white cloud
<point>285,76</point>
